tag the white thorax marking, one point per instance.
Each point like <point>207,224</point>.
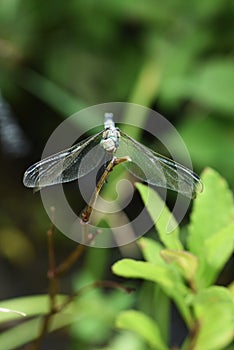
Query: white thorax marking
<point>111,135</point>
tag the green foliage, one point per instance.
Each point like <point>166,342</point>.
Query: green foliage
<point>209,227</point>
<point>214,310</point>
<point>155,206</point>
<point>32,306</point>
<point>209,137</point>
<point>91,316</point>
<point>177,56</point>
<point>215,85</point>
<point>99,311</point>
<point>187,276</point>
<point>142,325</point>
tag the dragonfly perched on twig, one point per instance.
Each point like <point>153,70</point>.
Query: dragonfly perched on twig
<point>115,146</point>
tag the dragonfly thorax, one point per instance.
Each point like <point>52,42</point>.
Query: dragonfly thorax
<point>110,140</point>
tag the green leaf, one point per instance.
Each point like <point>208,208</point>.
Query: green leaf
<point>165,224</point>
<point>162,305</point>
<point>157,298</point>
<point>166,277</point>
<point>125,340</point>
<point>30,306</point>
<point>212,212</point>
<point>152,253</point>
<point>142,325</point>
<point>214,78</point>
<point>157,305</point>
<point>219,249</point>
<point>185,261</point>
<point>151,250</point>
<point>29,330</point>
<point>86,308</point>
<point>231,290</point>
<point>215,81</point>
<point>214,309</point>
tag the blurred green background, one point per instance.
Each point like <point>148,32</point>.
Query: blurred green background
<point>57,57</point>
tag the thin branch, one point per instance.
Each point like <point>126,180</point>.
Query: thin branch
<point>54,274</point>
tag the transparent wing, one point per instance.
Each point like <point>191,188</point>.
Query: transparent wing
<point>66,165</point>
<point>157,170</point>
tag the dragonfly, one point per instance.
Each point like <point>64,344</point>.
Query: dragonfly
<point>106,149</point>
